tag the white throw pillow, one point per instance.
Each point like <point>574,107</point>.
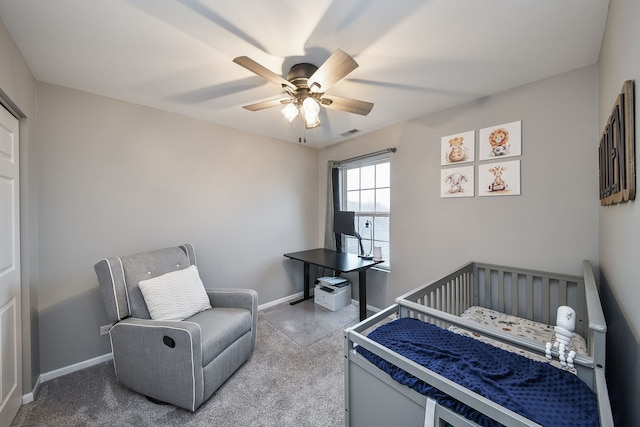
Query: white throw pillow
<point>175,295</point>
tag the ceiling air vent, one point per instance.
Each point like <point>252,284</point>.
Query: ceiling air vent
<point>350,132</point>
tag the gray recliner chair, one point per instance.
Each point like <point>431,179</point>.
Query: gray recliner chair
<point>182,362</point>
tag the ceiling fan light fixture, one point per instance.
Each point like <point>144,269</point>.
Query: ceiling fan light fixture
<point>310,106</point>
<point>290,112</point>
<point>313,123</point>
<point>310,113</point>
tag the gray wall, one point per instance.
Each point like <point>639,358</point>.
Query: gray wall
<point>117,178</point>
<point>551,226</point>
<point>18,92</point>
<point>620,224</point>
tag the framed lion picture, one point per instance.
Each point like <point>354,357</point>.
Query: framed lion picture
<point>500,141</point>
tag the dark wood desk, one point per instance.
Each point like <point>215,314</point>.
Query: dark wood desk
<point>339,262</point>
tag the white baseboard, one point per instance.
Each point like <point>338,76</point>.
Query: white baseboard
<point>29,397</point>
<point>369,307</point>
<point>75,367</point>
<point>280,301</point>
<point>300,295</point>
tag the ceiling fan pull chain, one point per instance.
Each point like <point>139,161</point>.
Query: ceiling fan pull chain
<point>302,139</point>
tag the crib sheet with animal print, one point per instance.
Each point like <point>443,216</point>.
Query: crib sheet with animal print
<point>529,329</point>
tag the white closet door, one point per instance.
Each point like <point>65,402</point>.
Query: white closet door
<point>10,325</point>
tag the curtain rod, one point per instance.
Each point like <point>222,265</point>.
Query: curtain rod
<point>366,156</point>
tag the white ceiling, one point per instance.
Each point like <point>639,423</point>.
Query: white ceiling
<point>416,56</point>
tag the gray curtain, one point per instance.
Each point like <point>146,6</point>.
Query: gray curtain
<point>329,236</point>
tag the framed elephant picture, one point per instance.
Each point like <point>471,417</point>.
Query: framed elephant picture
<point>457,182</point>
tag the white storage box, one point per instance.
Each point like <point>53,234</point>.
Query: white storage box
<point>331,297</point>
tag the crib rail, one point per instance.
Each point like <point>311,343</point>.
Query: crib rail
<point>597,327</point>
<point>530,294</point>
<point>453,293</point>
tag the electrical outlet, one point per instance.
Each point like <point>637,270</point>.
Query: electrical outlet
<point>104,329</point>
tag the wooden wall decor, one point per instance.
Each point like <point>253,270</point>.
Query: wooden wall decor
<point>616,152</point>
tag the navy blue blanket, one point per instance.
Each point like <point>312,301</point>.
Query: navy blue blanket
<point>538,391</point>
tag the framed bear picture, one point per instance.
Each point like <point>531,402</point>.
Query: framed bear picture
<point>500,141</point>
<point>458,148</point>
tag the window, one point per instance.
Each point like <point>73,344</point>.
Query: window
<point>366,190</point>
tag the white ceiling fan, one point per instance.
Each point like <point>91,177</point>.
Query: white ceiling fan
<point>305,88</point>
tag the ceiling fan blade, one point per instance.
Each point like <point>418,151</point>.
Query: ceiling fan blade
<point>263,72</point>
<point>268,104</point>
<point>334,69</point>
<point>346,104</point>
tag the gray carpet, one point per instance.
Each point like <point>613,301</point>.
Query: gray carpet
<point>290,380</point>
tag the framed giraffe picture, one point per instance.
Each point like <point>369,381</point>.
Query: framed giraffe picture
<point>499,179</point>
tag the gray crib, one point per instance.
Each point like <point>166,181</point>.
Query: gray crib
<point>373,398</point>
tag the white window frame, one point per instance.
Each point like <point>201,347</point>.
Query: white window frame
<point>368,234</point>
